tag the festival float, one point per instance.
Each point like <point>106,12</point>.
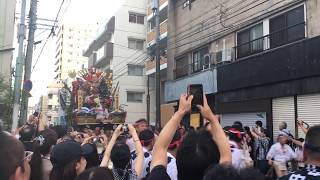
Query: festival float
<point>95,99</point>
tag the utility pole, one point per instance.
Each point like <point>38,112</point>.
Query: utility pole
<point>158,85</point>
<point>19,67</point>
<point>148,99</point>
<point>29,53</point>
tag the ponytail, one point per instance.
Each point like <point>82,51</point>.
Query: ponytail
<point>41,147</point>
<point>36,162</point>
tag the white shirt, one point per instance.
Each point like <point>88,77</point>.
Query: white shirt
<point>131,145</point>
<point>172,167</point>
<point>240,158</point>
<point>146,163</point>
<point>281,153</point>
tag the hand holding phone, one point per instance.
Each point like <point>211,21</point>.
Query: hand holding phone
<point>196,90</point>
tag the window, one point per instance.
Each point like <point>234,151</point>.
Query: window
<point>163,18</point>
<point>101,53</point>
<point>50,96</point>
<point>135,70</point>
<point>181,67</point>
<point>287,27</point>
<point>135,96</point>
<point>136,18</point>
<point>198,59</point>
<point>49,107</point>
<point>135,44</point>
<point>250,41</point>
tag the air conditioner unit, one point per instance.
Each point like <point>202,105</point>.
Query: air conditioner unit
<point>206,61</point>
<point>223,56</point>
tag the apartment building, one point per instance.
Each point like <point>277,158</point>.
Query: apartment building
<point>119,48</point>
<point>49,105</point>
<point>256,59</point>
<point>71,40</point>
<point>150,65</point>
<point>7,9</point>
<point>7,21</point>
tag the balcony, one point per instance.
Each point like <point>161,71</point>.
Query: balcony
<point>103,59</point>
<point>151,36</point>
<point>275,39</point>
<point>173,89</point>
<point>243,51</point>
<point>162,4</point>
<point>102,38</point>
<point>151,65</point>
<point>297,60</point>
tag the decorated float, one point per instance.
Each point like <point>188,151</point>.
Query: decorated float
<point>95,99</point>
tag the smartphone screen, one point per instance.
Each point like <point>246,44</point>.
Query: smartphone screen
<point>197,91</point>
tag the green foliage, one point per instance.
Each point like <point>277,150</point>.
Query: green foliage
<point>6,102</point>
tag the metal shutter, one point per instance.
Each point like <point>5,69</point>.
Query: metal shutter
<point>283,110</point>
<point>247,119</point>
<point>308,110</point>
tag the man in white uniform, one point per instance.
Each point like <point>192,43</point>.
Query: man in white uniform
<point>147,140</point>
<point>279,154</point>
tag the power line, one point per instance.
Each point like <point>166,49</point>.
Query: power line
<point>130,56</point>
<point>51,33</point>
<point>56,19</point>
<point>200,16</point>
<point>133,61</point>
<point>45,43</point>
<point>41,32</point>
<point>65,10</point>
<point>227,29</point>
<point>124,72</point>
<point>214,23</point>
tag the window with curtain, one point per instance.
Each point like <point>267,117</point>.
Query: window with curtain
<point>198,59</point>
<point>250,41</point>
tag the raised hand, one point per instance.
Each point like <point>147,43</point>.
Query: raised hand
<point>118,130</point>
<point>185,103</point>
<point>206,111</point>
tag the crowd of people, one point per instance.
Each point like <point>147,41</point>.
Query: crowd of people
<point>139,151</point>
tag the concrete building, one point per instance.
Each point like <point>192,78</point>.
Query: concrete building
<point>257,60</point>
<point>49,105</point>
<point>150,64</point>
<point>7,20</point>
<point>120,48</point>
<point>71,39</point>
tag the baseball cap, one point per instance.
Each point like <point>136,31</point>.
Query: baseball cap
<point>66,152</point>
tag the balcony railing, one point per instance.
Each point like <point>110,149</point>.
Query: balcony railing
<point>182,71</point>
<point>163,29</point>
<point>151,64</point>
<point>272,40</point>
<point>161,2</point>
